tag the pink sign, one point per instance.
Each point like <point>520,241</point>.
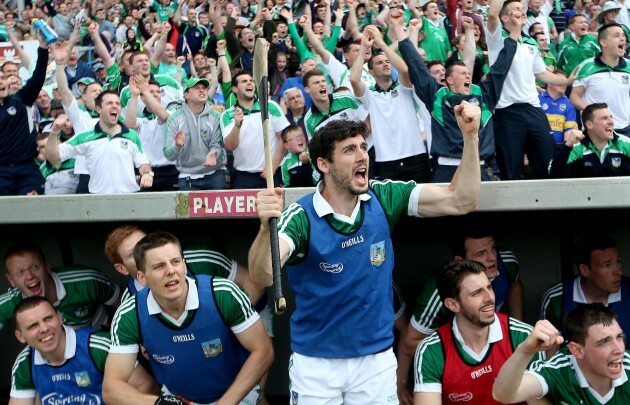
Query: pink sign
<point>238,203</point>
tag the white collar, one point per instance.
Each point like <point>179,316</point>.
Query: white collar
<point>192,303</point>
<point>323,208</point>
<point>580,297</point>
<point>584,383</point>
<point>495,334</point>
<point>68,352</point>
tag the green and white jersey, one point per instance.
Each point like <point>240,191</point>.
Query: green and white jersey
<point>201,260</point>
<point>396,197</point>
<point>564,383</point>
<point>572,52</point>
<point>170,88</point>
<point>232,303</point>
<point>82,293</point>
<point>429,359</point>
<point>436,44</point>
<point>430,313</point>
<point>22,385</point>
<point>603,83</point>
<point>343,106</point>
<point>162,11</point>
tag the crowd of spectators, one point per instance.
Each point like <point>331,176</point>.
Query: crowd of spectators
<point>550,76</point>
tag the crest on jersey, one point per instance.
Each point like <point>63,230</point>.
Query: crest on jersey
<point>377,253</point>
<point>82,378</point>
<point>616,162</point>
<point>212,348</point>
<point>81,312</point>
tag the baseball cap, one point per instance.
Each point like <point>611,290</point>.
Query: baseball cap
<point>97,66</point>
<point>192,82</point>
<point>85,80</point>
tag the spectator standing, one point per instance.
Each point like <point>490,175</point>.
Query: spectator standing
<point>193,140</point>
<point>19,174</point>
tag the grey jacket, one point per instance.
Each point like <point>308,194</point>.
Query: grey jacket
<point>203,136</point>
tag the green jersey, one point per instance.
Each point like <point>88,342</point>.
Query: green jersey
<point>22,385</point>
<point>343,106</point>
<point>82,293</point>
<point>201,260</point>
<point>573,52</point>
<point>430,314</point>
<point>232,303</point>
<point>429,360</point>
<point>293,169</point>
<point>565,383</point>
<point>164,12</point>
<point>394,197</point>
<point>46,169</point>
<point>436,44</point>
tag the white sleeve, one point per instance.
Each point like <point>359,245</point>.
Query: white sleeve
<point>495,43</point>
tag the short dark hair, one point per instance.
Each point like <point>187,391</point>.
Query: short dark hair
<point>370,62</point>
<point>530,30</point>
<point>22,248</point>
<point>426,5</point>
<point>150,241</point>
<point>584,247</point>
<point>457,241</point>
<point>603,31</point>
<point>90,84</point>
<point>577,322</point>
<point>449,279</point>
<point>589,111</point>
<point>451,67</point>
<point>286,131</point>
<point>29,303</point>
<point>239,74</point>
<point>311,73</point>
<point>504,7</point>
<point>346,47</point>
<point>573,17</point>
<point>135,55</point>
<point>322,144</point>
<point>538,34</point>
<point>435,62</point>
<point>98,101</point>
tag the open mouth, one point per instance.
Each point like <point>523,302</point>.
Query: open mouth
<point>467,84</point>
<point>615,366</point>
<point>172,285</point>
<point>34,287</point>
<point>488,310</point>
<point>47,338</point>
<point>361,176</point>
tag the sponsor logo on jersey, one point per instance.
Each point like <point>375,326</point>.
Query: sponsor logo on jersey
<point>616,162</point>
<point>481,371</point>
<point>81,312</point>
<point>331,268</point>
<point>60,377</point>
<point>168,359</point>
<point>11,110</point>
<point>352,241</point>
<point>212,348</point>
<point>59,399</point>
<point>82,378</point>
<point>465,397</point>
<point>377,253</point>
<point>184,338</point>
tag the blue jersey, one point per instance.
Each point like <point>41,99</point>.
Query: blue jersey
<point>620,308</point>
<point>560,113</point>
<point>77,381</point>
<point>199,360</point>
<point>343,287</point>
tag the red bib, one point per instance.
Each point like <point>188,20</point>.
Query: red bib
<point>464,383</point>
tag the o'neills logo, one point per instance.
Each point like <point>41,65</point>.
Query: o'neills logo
<point>331,268</point>
<point>168,359</point>
<point>465,397</point>
<point>483,370</point>
<point>352,241</point>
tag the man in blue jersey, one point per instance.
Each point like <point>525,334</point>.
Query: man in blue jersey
<point>203,339</point>
<point>337,244</point>
<point>61,365</point>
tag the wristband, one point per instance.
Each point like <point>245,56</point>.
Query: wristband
<point>169,400</point>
